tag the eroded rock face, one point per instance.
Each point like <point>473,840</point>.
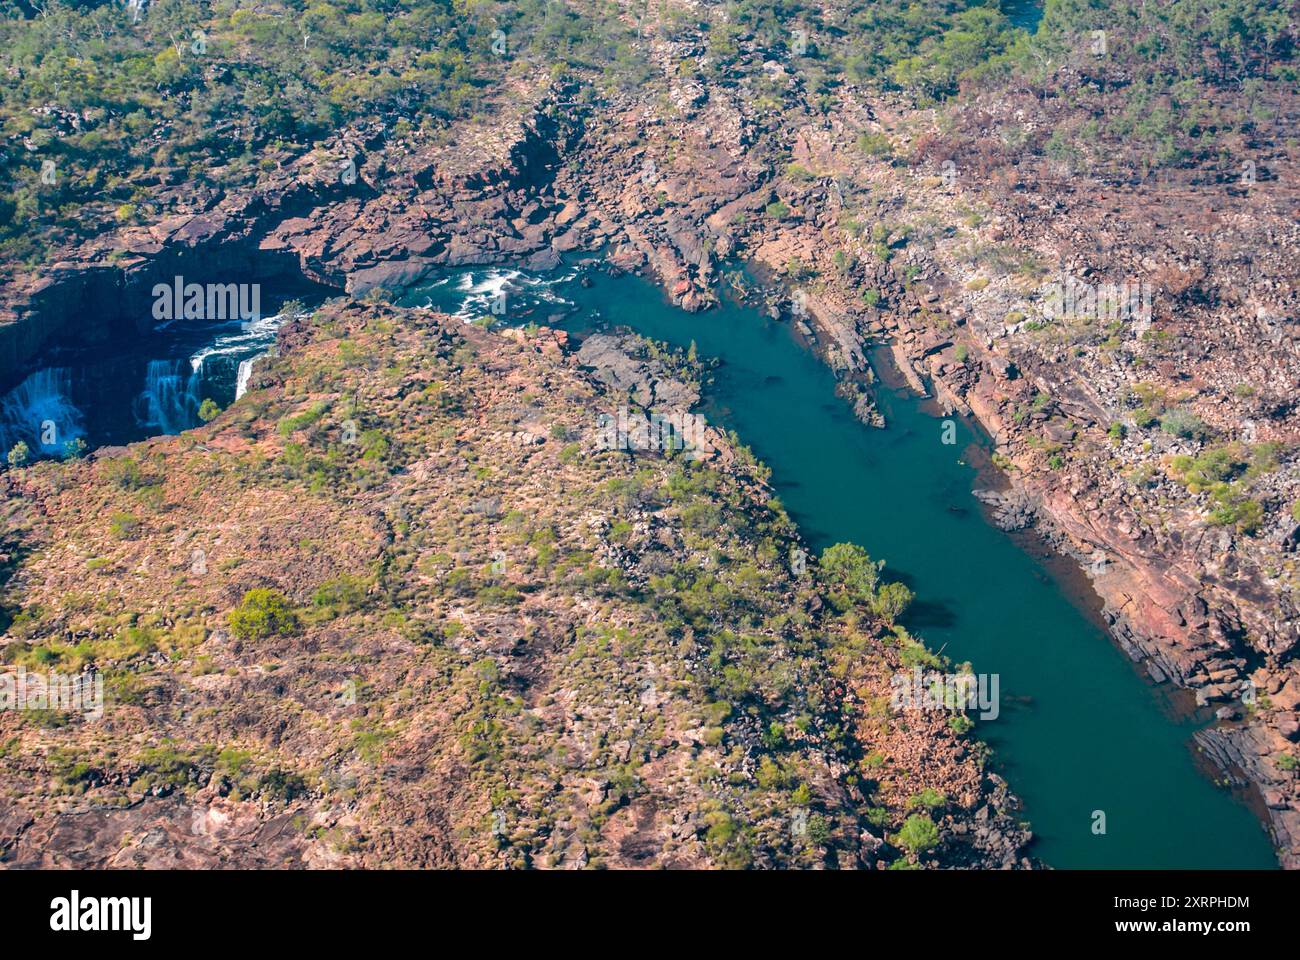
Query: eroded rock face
<point>164,834</point>
<point>355,214</point>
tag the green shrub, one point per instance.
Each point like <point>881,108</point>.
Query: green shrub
<point>928,798</point>
<point>301,421</point>
<point>875,145</point>
<point>1216,465</point>
<point>961,724</point>
<point>342,594</point>
<point>262,613</point>
<point>1185,424</point>
<point>1145,418</point>
<point>890,601</point>
<point>915,654</point>
<point>165,766</point>
<point>819,830</point>
<point>919,834</point>
<point>1234,509</point>
<point>848,574</point>
<point>125,474</point>
<point>282,785</point>
<point>123,526</point>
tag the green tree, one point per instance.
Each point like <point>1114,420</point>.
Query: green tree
<point>891,600</point>
<point>848,575</point>
<point>19,454</point>
<point>919,834</point>
<point>262,613</point>
<point>208,410</point>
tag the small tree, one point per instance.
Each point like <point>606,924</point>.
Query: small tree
<point>262,613</point>
<point>19,454</point>
<point>124,526</point>
<point>891,600</point>
<point>848,574</point>
<point>208,410</point>
<point>1185,424</point>
<point>919,834</point>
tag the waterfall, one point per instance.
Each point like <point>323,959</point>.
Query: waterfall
<point>170,399</point>
<point>256,335</point>
<point>40,413</point>
<point>121,392</point>
<point>241,376</point>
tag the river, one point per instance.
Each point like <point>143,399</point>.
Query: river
<point>1079,730</point>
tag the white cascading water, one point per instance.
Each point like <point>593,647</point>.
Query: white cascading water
<point>254,334</point>
<point>479,291</point>
<point>170,399</point>
<point>41,412</point>
<point>40,409</point>
<point>242,375</point>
